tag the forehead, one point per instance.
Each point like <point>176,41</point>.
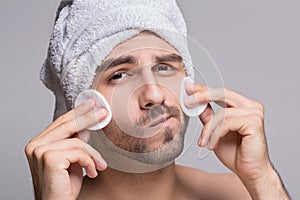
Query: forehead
<point>144,41</point>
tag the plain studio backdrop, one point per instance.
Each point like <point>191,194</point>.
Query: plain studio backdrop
<point>254,43</point>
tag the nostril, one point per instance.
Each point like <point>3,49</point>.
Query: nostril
<point>149,104</point>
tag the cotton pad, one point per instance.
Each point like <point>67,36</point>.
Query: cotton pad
<point>195,111</point>
<point>100,102</point>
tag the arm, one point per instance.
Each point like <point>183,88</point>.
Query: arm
<point>268,187</point>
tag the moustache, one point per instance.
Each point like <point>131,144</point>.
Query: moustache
<point>156,111</point>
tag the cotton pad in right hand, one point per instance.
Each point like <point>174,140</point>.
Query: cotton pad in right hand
<point>100,102</point>
<point>192,112</point>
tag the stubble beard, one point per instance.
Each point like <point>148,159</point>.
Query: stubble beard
<point>171,140</point>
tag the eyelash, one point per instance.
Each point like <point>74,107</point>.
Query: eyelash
<point>163,65</point>
<point>170,69</point>
<point>112,77</point>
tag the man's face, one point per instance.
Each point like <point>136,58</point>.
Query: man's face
<point>141,81</point>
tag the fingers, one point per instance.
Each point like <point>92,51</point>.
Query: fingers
<point>63,153</point>
<point>62,159</point>
<point>222,96</point>
<point>243,121</point>
<point>56,156</point>
<point>69,128</point>
<point>78,111</point>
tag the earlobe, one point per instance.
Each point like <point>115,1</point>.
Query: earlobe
<point>100,102</point>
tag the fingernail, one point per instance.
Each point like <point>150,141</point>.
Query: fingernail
<point>202,142</point>
<point>102,162</point>
<point>101,112</point>
<point>190,101</point>
<point>189,88</point>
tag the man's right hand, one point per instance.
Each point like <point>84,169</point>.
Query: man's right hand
<point>56,156</point>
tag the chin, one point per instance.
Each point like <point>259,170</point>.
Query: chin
<point>167,153</point>
<point>161,148</point>
<point>169,149</point>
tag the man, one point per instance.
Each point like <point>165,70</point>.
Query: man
<point>138,72</point>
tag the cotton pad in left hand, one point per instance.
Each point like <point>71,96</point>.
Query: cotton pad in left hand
<point>192,112</point>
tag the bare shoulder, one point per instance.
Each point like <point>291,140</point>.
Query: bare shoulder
<point>211,186</point>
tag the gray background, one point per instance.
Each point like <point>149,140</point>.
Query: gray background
<point>254,43</point>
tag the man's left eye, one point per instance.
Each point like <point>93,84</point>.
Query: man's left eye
<point>163,68</point>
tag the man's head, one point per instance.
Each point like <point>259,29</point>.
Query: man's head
<point>144,97</point>
<point>86,31</point>
<point>141,80</point>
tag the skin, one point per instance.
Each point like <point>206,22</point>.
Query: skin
<point>146,86</point>
<point>235,133</point>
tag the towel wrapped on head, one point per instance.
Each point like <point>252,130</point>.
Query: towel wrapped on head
<point>86,31</point>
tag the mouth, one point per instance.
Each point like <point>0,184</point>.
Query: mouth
<point>159,121</point>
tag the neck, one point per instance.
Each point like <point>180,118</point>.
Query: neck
<point>158,184</point>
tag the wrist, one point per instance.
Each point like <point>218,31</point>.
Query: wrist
<point>268,186</point>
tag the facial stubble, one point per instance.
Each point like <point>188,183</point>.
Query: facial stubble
<point>169,141</point>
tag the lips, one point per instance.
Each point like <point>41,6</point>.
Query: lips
<point>158,121</point>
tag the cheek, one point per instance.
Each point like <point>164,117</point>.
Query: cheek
<point>171,87</point>
<point>125,109</point>
<point>172,94</point>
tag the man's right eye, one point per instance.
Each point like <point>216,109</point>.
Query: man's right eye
<point>118,76</point>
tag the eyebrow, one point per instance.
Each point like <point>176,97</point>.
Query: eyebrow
<point>168,58</point>
<point>113,62</point>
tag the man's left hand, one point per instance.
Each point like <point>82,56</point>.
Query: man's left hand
<point>236,134</point>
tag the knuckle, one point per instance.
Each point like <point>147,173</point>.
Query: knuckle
<point>38,152</point>
<point>77,143</point>
<point>257,120</point>
<point>81,156</point>
<point>259,106</point>
<point>66,127</point>
<point>61,118</point>
<point>48,157</point>
<point>261,114</point>
<point>260,110</point>
<point>29,148</point>
<point>81,153</point>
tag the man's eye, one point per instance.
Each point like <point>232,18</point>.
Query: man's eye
<point>118,76</point>
<point>164,69</point>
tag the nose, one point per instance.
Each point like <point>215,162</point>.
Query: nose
<point>151,94</point>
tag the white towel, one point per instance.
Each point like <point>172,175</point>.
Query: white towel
<point>86,31</point>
